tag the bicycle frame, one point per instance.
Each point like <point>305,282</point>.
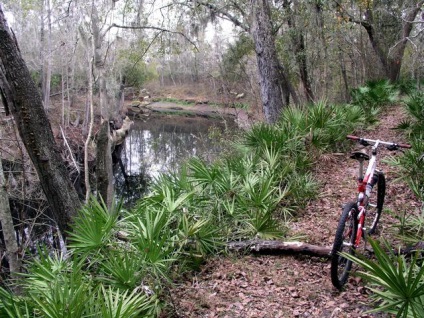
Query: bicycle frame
<point>365,184</point>
<point>351,227</point>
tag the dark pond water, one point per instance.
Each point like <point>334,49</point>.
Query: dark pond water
<point>161,145</point>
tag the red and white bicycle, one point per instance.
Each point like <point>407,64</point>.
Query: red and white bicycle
<point>369,203</point>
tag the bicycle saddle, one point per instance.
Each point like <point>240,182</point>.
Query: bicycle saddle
<point>360,155</point>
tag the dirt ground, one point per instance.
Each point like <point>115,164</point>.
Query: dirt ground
<point>298,286</point>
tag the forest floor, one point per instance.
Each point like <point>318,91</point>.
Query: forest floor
<point>295,285</point>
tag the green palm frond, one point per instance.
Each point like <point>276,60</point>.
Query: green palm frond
<point>294,117</point>
<point>399,285</point>
<point>93,226</point>
<point>320,115</point>
<point>202,173</point>
<point>153,236</point>
<point>405,124</point>
<point>64,296</point>
<point>171,202</point>
<point>14,306</point>
<point>122,270</point>
<point>199,235</point>
<point>260,136</point>
<point>46,269</point>
<point>273,158</point>
<point>262,224</point>
<point>373,96</point>
<point>415,106</point>
<point>123,304</point>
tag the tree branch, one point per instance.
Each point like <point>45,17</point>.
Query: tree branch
<point>225,14</point>
<point>114,25</point>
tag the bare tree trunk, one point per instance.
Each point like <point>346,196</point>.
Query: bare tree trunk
<point>298,41</point>
<point>42,45</point>
<point>99,62</point>
<point>21,97</point>
<point>9,234</point>
<point>47,72</point>
<point>90,126</point>
<point>104,174</point>
<point>63,101</point>
<point>266,56</point>
<point>104,164</point>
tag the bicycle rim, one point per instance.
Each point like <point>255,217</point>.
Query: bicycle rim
<point>344,243</point>
<point>375,207</point>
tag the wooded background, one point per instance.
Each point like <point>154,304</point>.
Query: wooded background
<point>310,49</point>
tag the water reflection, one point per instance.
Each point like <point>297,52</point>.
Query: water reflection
<point>160,145</point>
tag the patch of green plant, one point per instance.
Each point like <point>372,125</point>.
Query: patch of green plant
<point>55,287</point>
<point>407,85</point>
<point>241,105</point>
<point>411,227</point>
<point>414,106</point>
<point>177,101</point>
<point>410,166</point>
<point>321,126</point>
<point>234,59</point>
<point>397,283</point>
<point>56,81</point>
<point>374,95</point>
<point>93,227</point>
<point>132,66</point>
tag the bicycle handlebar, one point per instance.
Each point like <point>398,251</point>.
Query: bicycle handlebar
<point>390,145</point>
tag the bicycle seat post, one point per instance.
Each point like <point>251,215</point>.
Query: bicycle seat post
<point>361,169</point>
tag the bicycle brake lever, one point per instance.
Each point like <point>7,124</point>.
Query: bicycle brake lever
<point>392,147</point>
<point>363,142</point>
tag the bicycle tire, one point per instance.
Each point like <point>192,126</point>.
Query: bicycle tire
<point>346,233</point>
<point>374,213</point>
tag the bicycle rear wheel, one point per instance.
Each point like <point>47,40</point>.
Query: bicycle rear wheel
<point>344,241</point>
<point>375,209</point>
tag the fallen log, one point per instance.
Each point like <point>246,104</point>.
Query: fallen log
<point>279,247</point>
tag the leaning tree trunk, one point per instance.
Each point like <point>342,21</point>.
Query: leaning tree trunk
<point>22,99</point>
<point>266,56</point>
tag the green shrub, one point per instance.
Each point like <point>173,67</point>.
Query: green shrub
<point>410,166</point>
<point>414,106</point>
<point>373,96</point>
<point>407,85</point>
<point>56,287</point>
<point>396,283</point>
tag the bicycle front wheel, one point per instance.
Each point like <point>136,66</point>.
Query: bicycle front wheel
<point>375,208</point>
<point>344,242</point>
